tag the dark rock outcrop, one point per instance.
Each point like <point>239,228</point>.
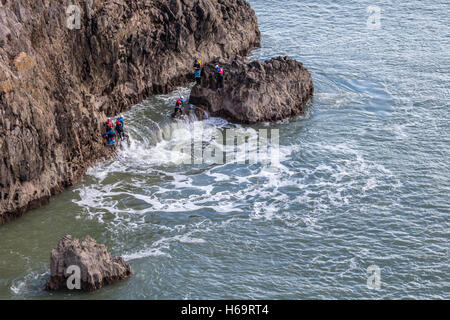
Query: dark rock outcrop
<point>255,91</point>
<point>57,85</point>
<point>97,267</point>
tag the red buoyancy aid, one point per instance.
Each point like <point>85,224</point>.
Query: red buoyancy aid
<point>220,71</point>
<point>109,123</point>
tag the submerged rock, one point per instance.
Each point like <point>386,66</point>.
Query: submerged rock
<point>255,91</point>
<point>97,267</point>
<point>191,112</point>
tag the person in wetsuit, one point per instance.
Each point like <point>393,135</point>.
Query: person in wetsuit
<point>179,108</point>
<point>219,77</point>
<point>119,128</point>
<point>111,137</point>
<point>198,71</point>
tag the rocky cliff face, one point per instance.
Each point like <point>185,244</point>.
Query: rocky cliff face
<point>255,91</point>
<point>57,85</point>
<point>96,266</point>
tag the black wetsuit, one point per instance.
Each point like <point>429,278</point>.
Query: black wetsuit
<point>119,129</point>
<point>179,108</point>
<point>219,77</point>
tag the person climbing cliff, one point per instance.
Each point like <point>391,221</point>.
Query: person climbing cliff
<point>120,128</point>
<point>219,77</point>
<point>179,108</point>
<point>111,137</point>
<point>198,71</point>
<point>108,124</point>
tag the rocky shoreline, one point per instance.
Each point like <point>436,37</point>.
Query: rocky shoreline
<point>57,85</point>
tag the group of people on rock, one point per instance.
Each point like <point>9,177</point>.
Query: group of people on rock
<point>113,131</point>
<point>198,74</point>
<point>219,74</point>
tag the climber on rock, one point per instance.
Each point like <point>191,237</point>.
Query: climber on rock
<point>108,125</point>
<point>179,108</point>
<point>120,127</point>
<point>219,77</point>
<point>197,70</point>
<point>111,136</point>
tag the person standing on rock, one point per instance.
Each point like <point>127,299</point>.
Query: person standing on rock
<point>197,70</point>
<point>219,77</point>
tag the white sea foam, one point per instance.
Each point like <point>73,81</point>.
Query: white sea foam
<point>162,246</point>
<point>22,286</point>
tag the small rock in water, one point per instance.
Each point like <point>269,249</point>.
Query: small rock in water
<point>84,265</point>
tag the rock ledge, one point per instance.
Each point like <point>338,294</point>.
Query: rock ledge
<point>255,91</point>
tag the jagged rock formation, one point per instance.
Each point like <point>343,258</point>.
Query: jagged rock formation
<point>97,267</point>
<point>255,91</point>
<point>57,85</point>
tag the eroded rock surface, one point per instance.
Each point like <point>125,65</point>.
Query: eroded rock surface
<point>97,267</point>
<point>255,91</point>
<point>57,85</point>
